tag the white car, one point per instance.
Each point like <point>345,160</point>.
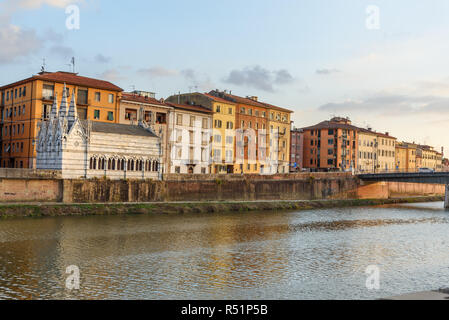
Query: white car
<point>426,170</point>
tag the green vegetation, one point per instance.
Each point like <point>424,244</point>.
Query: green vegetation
<point>170,208</point>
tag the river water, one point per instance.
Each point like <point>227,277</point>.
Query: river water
<point>317,254</point>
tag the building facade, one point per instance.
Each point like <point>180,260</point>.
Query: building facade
<point>25,103</point>
<point>189,139</point>
<point>223,128</point>
<point>93,149</point>
<point>140,106</point>
<point>331,145</point>
<point>386,152</point>
<point>279,126</point>
<point>296,150</point>
<point>406,157</point>
<point>367,160</point>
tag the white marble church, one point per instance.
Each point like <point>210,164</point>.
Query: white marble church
<point>88,149</point>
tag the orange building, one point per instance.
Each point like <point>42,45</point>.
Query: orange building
<point>25,103</point>
<point>251,149</point>
<point>330,145</point>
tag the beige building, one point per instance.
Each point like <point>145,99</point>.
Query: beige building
<point>430,157</point>
<point>279,126</point>
<point>141,106</point>
<point>223,113</point>
<point>367,160</point>
<point>406,157</point>
<point>189,137</point>
<point>386,152</point>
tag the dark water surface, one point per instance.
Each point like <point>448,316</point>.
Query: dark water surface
<point>319,254</point>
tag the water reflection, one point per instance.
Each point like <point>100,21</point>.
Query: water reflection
<point>316,254</point>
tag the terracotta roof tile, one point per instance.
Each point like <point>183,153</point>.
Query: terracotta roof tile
<point>136,98</point>
<point>69,78</point>
<point>188,107</point>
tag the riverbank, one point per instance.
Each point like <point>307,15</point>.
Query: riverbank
<point>166,208</point>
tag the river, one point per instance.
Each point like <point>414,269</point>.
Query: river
<point>317,254</point>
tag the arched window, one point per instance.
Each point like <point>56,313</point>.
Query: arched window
<point>113,164</point>
<point>109,164</point>
<point>95,164</point>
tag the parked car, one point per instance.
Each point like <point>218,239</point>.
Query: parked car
<point>426,170</point>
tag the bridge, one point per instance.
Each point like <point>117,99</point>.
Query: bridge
<point>411,177</point>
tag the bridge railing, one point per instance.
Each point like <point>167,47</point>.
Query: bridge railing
<point>385,171</point>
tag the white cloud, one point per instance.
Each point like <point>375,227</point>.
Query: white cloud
<point>16,43</point>
<point>158,72</point>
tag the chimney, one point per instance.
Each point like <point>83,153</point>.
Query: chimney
<point>387,133</point>
<point>254,98</point>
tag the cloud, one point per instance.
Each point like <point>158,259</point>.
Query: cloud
<point>387,104</point>
<point>111,75</point>
<point>327,71</point>
<point>16,43</point>
<point>62,51</point>
<point>99,58</point>
<point>259,78</point>
<point>158,72</point>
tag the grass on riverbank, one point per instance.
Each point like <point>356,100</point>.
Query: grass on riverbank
<point>53,210</point>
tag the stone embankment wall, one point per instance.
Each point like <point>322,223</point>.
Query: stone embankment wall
<point>306,186</point>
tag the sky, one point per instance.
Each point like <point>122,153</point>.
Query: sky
<point>383,64</point>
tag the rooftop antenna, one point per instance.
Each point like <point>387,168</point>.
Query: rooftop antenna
<point>43,65</point>
<point>72,64</point>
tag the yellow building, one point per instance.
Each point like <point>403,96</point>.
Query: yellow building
<point>386,152</point>
<point>406,157</point>
<point>223,125</point>
<point>279,127</point>
<point>25,103</point>
<point>367,160</point>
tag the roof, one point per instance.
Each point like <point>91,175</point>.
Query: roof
<point>332,125</point>
<point>69,78</point>
<point>247,101</point>
<point>125,129</point>
<point>237,99</point>
<point>217,99</point>
<point>277,108</point>
<point>140,99</point>
<point>339,125</point>
<point>188,107</point>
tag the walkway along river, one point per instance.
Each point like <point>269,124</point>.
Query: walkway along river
<point>312,254</point>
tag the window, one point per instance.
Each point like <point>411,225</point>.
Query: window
<point>229,125</point>
<point>97,96</point>
<point>218,124</point>
<point>111,98</point>
<point>229,140</point>
<point>179,119</point>
<point>217,138</point>
<point>205,123</point>
<point>242,110</point>
<point>161,118</point>
<point>82,96</point>
<point>192,121</point>
<point>48,91</point>
<point>96,114</point>
<point>331,141</point>
<point>230,111</point>
<point>218,109</point>
<point>111,116</point>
